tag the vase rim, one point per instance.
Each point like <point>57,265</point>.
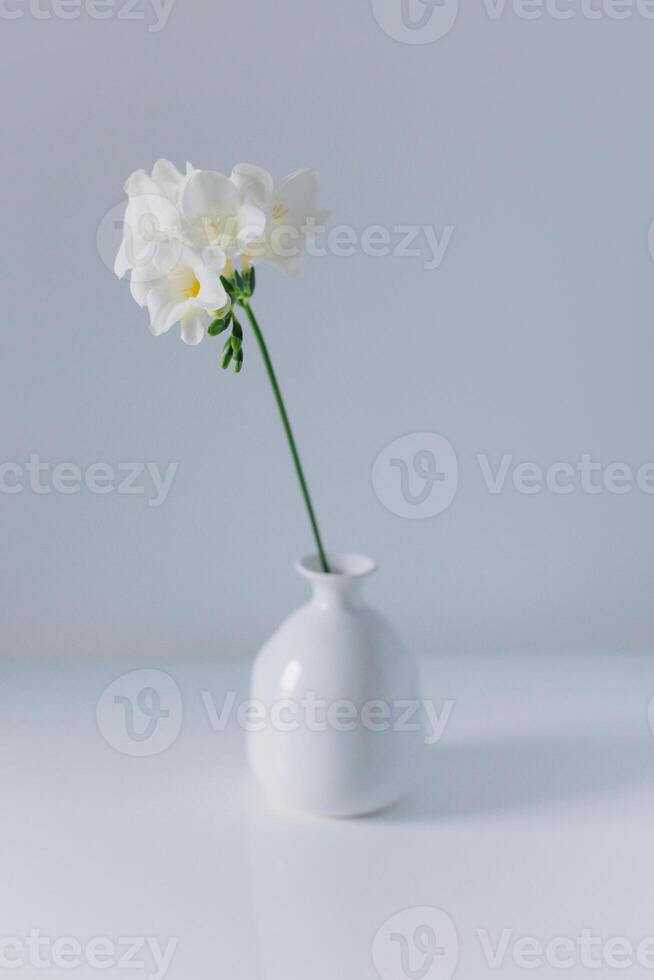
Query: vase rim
<point>344,564</point>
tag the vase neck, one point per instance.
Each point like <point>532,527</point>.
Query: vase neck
<point>343,585</point>
<point>344,593</point>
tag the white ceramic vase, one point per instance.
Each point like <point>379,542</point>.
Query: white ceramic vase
<point>336,684</point>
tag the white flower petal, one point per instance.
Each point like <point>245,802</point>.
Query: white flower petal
<point>297,197</point>
<point>165,291</point>
<point>214,258</point>
<point>254,183</point>
<point>288,264</point>
<point>168,314</point>
<point>167,178</point>
<point>134,178</point>
<point>165,172</point>
<point>121,265</point>
<point>251,223</point>
<point>140,182</point>
<point>150,223</point>
<point>212,295</point>
<point>139,288</point>
<point>194,326</point>
<point>294,205</point>
<point>169,258</point>
<point>206,194</point>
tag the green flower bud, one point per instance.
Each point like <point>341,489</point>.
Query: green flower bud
<point>219,325</point>
<point>228,286</point>
<point>228,353</point>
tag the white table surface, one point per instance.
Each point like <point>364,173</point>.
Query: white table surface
<point>534,816</point>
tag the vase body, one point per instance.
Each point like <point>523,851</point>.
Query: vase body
<point>340,698</point>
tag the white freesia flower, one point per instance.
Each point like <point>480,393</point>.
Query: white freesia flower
<point>190,293</point>
<point>183,231</point>
<point>166,175</point>
<point>292,210</point>
<point>183,236</point>
<point>217,217</point>
<point>152,215</point>
<point>254,184</point>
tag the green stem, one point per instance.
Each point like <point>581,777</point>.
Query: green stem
<point>289,433</point>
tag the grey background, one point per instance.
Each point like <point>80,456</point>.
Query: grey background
<point>533,138</point>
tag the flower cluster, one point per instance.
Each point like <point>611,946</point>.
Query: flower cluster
<point>189,242</point>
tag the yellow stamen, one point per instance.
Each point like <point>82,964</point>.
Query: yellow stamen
<point>279,211</point>
<point>192,291</point>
